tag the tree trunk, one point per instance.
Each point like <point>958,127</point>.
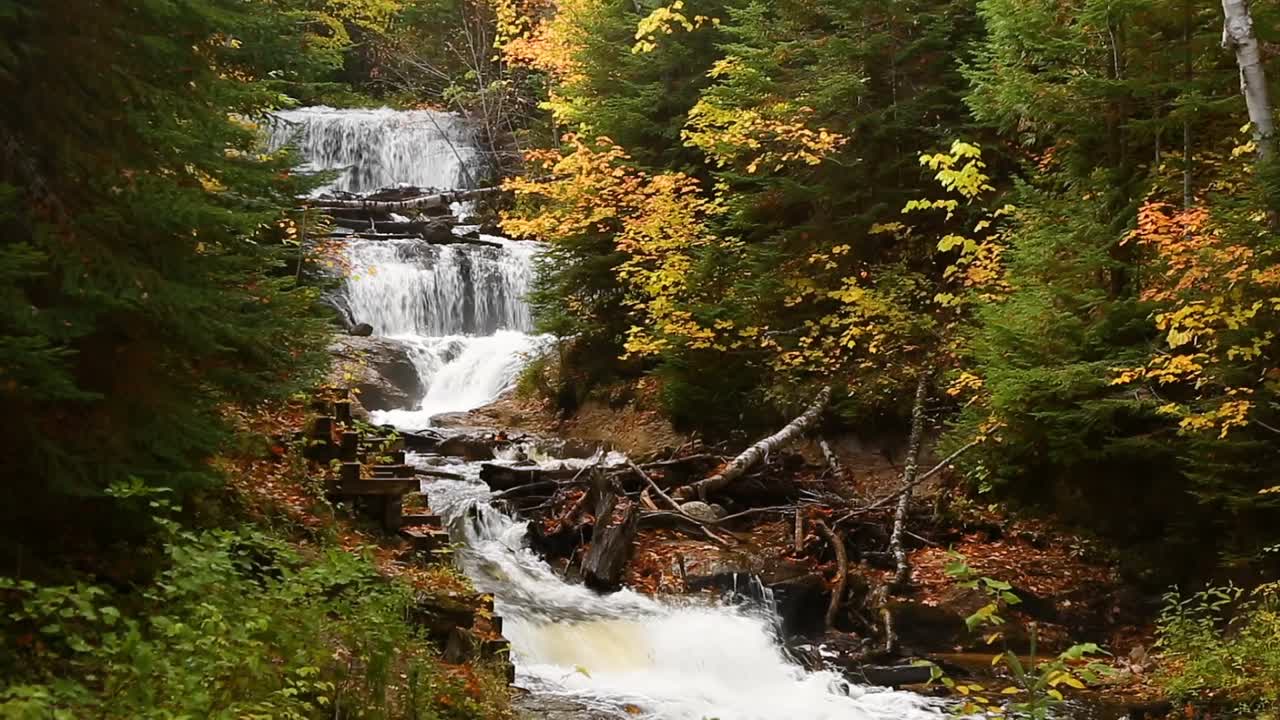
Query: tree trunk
<point>1237,35</point>
<point>754,454</point>
<point>418,203</point>
<point>617,520</point>
<point>903,573</point>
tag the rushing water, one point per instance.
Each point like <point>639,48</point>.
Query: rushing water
<point>460,311</point>
<point>374,149</point>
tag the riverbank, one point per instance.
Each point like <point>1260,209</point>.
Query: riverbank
<point>260,599</point>
<point>1068,588</point>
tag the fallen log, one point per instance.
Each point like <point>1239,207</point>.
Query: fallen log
<point>894,675</point>
<point>365,235</point>
<point>414,203</point>
<point>757,452</point>
<point>442,474</point>
<point>435,239</point>
<point>505,477</point>
<point>415,227</point>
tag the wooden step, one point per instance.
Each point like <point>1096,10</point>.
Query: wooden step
<point>373,486</point>
<point>399,471</point>
<point>496,647</point>
<point>425,540</point>
<point>422,520</point>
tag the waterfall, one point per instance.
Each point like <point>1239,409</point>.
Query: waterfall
<point>675,659</point>
<point>460,312</point>
<point>408,287</point>
<point>380,148</point>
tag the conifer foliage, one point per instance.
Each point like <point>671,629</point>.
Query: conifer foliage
<point>144,249</point>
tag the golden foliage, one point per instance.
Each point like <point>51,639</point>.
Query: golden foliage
<point>657,221</point>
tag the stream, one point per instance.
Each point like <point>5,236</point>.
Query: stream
<point>460,312</point>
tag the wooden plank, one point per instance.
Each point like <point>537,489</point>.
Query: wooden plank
<point>322,427</point>
<point>400,471</point>
<point>342,411</point>
<point>425,539</point>
<point>422,520</point>
<point>392,512</point>
<point>347,449</point>
<point>349,472</point>
<point>373,486</point>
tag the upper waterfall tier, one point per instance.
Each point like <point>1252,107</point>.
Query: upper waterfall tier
<point>380,148</point>
<point>407,287</point>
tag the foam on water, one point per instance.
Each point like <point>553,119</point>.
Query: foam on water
<point>677,659</point>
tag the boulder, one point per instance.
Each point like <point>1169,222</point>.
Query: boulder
<point>699,510</point>
<point>438,231</point>
<point>361,330</point>
<point>380,369</point>
<point>799,593</point>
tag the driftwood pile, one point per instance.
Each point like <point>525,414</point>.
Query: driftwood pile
<point>711,497</point>
<point>402,213</point>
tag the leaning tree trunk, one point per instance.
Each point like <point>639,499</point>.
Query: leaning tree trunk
<point>754,454</point>
<point>1237,35</point>
<point>903,573</point>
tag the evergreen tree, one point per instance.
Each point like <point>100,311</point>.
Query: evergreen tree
<point>143,252</point>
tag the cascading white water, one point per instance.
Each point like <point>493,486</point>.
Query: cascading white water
<point>460,311</point>
<point>374,149</point>
<point>409,287</point>
<point>674,659</point>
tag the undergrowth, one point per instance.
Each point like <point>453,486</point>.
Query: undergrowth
<point>239,624</point>
<point>1221,648</point>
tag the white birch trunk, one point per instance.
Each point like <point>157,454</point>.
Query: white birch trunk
<point>759,451</point>
<point>1237,35</point>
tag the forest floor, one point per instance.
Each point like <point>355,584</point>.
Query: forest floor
<point>1072,591</point>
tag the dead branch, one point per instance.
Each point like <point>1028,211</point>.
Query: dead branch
<point>842,570</point>
<point>675,505</point>
<point>833,462</point>
<point>759,451</point>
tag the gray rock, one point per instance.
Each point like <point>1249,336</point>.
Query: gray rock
<point>702,511</point>
<point>379,369</point>
<point>361,330</point>
<point>440,231</point>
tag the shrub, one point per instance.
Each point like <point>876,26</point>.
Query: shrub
<point>240,625</point>
<point>1221,647</point>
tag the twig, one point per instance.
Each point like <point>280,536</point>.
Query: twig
<point>675,505</point>
<point>919,479</point>
<point>753,511</point>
